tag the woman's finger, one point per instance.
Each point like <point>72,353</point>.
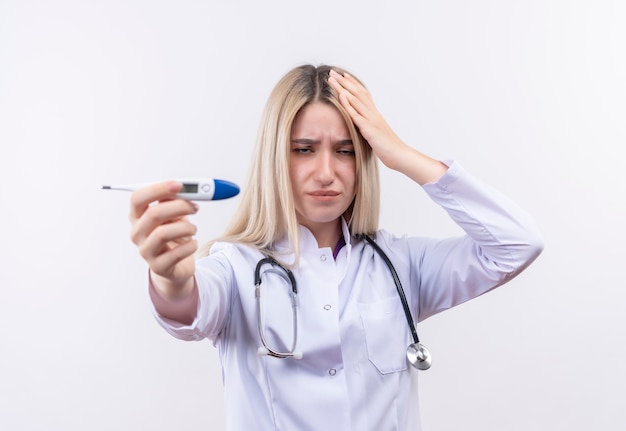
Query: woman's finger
<point>168,263</point>
<point>141,198</point>
<point>353,96</point>
<point>160,214</point>
<point>166,237</point>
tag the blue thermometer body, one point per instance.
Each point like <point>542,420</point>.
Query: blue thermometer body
<point>194,189</point>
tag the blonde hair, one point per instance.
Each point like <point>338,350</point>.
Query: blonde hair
<point>266,210</point>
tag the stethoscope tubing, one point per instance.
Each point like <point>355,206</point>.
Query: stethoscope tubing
<point>396,280</point>
<point>266,350</point>
<point>417,354</point>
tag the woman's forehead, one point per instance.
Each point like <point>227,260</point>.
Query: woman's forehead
<point>318,119</point>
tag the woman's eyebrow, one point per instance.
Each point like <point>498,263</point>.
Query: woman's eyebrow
<point>304,141</point>
<point>316,141</point>
<point>345,142</point>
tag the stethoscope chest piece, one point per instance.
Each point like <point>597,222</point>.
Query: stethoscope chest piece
<point>419,356</point>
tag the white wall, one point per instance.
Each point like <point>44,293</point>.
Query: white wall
<point>529,96</point>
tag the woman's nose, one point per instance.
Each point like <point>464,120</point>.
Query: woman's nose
<point>325,169</point>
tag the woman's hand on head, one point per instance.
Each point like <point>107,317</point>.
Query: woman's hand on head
<point>359,104</point>
<point>164,235</point>
<point>389,148</point>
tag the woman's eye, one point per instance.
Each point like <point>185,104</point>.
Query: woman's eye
<point>346,152</point>
<point>302,150</point>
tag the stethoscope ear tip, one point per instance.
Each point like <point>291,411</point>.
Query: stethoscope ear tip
<point>262,351</point>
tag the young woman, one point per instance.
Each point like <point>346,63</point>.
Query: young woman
<point>335,357</point>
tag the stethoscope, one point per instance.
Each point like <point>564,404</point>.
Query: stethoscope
<point>417,354</point>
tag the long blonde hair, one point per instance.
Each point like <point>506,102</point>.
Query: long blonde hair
<point>266,210</point>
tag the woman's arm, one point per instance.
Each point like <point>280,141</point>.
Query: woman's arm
<point>501,239</point>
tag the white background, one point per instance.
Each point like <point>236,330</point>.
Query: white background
<point>528,95</point>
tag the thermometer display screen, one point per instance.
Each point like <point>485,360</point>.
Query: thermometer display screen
<point>190,188</point>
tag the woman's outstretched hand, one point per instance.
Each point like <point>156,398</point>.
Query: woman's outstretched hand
<point>164,236</point>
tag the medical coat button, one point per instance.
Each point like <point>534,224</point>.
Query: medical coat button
<point>323,258</point>
<point>327,307</point>
<point>332,371</point>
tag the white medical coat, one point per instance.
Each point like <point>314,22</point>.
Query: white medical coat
<point>352,328</point>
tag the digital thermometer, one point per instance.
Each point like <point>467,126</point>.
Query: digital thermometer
<point>194,189</point>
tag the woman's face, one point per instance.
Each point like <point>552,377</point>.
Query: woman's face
<point>322,167</point>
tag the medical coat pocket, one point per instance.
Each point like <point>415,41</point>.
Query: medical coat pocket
<point>386,334</point>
